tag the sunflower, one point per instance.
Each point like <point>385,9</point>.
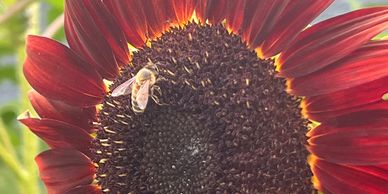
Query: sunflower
<point>246,98</point>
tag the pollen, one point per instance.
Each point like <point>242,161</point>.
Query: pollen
<point>224,123</point>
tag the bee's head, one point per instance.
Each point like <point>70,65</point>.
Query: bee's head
<point>149,72</point>
<point>153,67</point>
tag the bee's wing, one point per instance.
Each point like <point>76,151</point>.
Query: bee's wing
<point>143,94</point>
<point>124,88</point>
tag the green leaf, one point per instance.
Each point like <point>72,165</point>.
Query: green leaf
<point>56,4</point>
<point>8,114</point>
<point>355,4</point>
<point>8,183</point>
<point>382,35</point>
<point>12,33</point>
<point>8,72</point>
<point>52,13</point>
<point>4,5</point>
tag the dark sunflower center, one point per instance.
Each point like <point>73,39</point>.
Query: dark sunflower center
<point>225,124</point>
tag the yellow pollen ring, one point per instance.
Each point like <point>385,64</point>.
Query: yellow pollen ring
<point>107,83</point>
<point>194,18</point>
<point>311,160</point>
<point>303,106</point>
<point>316,182</point>
<point>132,48</point>
<point>277,63</point>
<point>259,52</point>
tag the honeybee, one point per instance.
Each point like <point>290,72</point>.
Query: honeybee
<point>140,87</point>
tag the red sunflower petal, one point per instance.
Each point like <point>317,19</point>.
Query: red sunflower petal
<point>365,144</point>
<point>132,19</point>
<point>212,10</point>
<point>325,191</point>
<point>371,155</point>
<point>92,32</point>
<point>286,30</point>
<point>235,15</point>
<point>368,93</point>
<point>57,110</point>
<point>325,128</point>
<point>342,179</point>
<point>142,20</point>
<point>380,171</point>
<point>110,29</point>
<point>89,189</point>
<point>58,73</point>
<point>165,8</point>
<point>260,17</point>
<point>331,40</point>
<point>183,9</point>
<point>358,118</point>
<point>157,16</point>
<point>359,111</point>
<point>200,10</point>
<point>58,134</point>
<point>63,169</point>
<point>364,65</point>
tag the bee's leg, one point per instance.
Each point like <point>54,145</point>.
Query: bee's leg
<point>155,97</point>
<point>156,100</point>
<point>157,88</point>
<point>160,78</point>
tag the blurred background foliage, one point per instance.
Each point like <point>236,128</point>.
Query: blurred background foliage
<point>18,146</point>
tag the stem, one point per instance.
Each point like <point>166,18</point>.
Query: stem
<point>53,28</point>
<point>15,9</point>
<point>5,140</point>
<point>13,164</point>
<point>30,146</point>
